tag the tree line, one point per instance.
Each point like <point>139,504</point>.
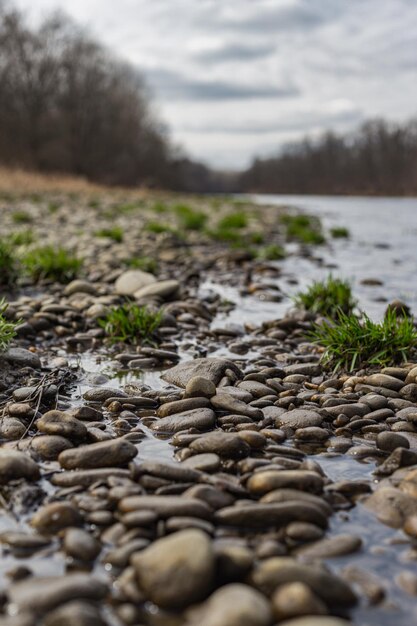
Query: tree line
<point>378,158</point>
<point>68,105</point>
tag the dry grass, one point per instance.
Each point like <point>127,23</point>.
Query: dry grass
<point>25,182</point>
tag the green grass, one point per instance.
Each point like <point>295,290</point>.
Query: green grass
<point>131,323</point>
<point>21,217</point>
<point>145,263</point>
<point>227,235</point>
<point>327,297</point>
<point>238,220</point>
<point>51,263</point>
<point>7,328</point>
<point>115,233</point>
<point>21,237</point>
<point>339,232</point>
<point>272,252</point>
<point>189,218</point>
<point>158,228</point>
<point>53,207</point>
<point>351,342</point>
<point>159,207</point>
<point>303,228</point>
<point>8,263</point>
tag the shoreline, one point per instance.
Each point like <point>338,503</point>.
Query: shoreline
<point>245,412</point>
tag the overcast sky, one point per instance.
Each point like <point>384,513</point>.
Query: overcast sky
<point>239,78</point>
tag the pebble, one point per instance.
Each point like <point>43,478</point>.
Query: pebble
<point>331,547</point>
<point>53,517</point>
<point>20,357</point>
<point>75,613</point>
<point>198,386</point>
<point>15,465</point>
<point>299,418</point>
<point>178,570</point>
<point>43,594</point>
<point>131,281</point>
<point>212,369</point>
<point>226,445</point>
<point>296,599</point>
<point>80,544</point>
<point>50,446</point>
<point>270,515</point>
<point>164,289</point>
<point>62,424</point>
<point>264,481</point>
<point>232,605</point>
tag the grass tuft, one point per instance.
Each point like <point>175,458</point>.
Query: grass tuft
<point>272,252</point>
<point>304,228</point>
<point>21,217</point>
<point>131,323</point>
<point>51,263</point>
<point>189,218</point>
<point>327,297</point>
<point>21,237</point>
<point>233,220</point>
<point>351,342</point>
<point>144,263</point>
<point>339,232</point>
<point>115,233</point>
<point>7,328</point>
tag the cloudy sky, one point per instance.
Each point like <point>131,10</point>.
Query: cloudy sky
<point>239,78</point>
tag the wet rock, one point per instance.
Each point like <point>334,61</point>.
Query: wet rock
<point>81,545</point>
<point>198,386</point>
<point>268,515</point>
<point>85,478</point>
<point>49,447</point>
<point>391,506</point>
<point>22,358</point>
<point>101,394</point>
<point>76,613</point>
<point>52,518</point>
<point>294,600</point>
<point>308,369</point>
<point>39,595</point>
<point>382,380</point>
<point>80,286</point>
<point>409,392</point>
<point>103,454</point>
<point>22,541</point>
<point>201,419</point>
<point>265,481</point>
<point>338,545</point>
<point>388,441</point>
<point>225,402</point>
<point>256,389</point>
<point>178,570</point>
<point>303,531</point>
<point>331,589</point>
<point>163,289</point>
<point>179,406</point>
<point>311,433</point>
<point>11,428</point>
<point>226,445</point>
<point>166,506</point>
<point>299,418</point>
<point>131,281</point>
<point>62,424</point>
<point>15,465</point>
<point>212,369</point>
<point>208,462</point>
<point>400,457</point>
<point>232,605</point>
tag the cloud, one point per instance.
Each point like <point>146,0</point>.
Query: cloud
<point>235,52</point>
<point>174,85</point>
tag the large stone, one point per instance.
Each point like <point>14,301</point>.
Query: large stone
<point>15,464</point>
<point>212,369</point>
<point>264,481</point>
<point>103,454</point>
<point>271,515</point>
<point>62,424</point>
<point>178,570</point>
<point>227,445</point>
<point>232,605</point>
<point>391,506</point>
<point>53,517</point>
<point>22,358</point>
<point>131,281</point>
<point>75,613</point>
<point>201,419</point>
<point>167,506</point>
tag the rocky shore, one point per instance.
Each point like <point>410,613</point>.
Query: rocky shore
<point>218,475</point>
